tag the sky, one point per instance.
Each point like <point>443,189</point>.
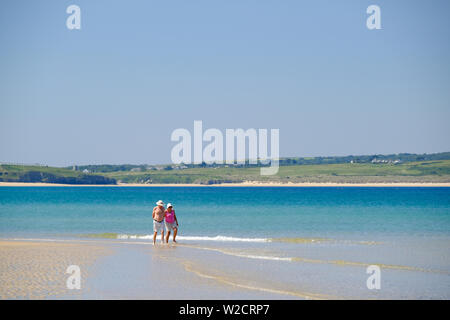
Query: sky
<point>114,91</point>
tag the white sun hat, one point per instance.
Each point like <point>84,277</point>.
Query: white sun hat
<point>160,203</point>
<point>169,205</point>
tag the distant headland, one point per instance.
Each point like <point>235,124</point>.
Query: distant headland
<point>404,169</point>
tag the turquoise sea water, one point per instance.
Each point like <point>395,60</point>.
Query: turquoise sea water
<point>242,212</point>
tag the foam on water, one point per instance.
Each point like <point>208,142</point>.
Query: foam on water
<point>218,238</point>
<point>222,238</point>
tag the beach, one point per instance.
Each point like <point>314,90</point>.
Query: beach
<point>224,150</point>
<point>37,269</point>
<point>127,269</point>
<point>233,243</point>
<point>242,184</point>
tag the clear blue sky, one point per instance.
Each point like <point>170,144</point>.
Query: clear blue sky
<point>114,91</point>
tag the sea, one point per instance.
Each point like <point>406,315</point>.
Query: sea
<point>323,239</point>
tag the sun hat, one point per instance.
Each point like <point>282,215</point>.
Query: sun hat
<point>169,205</point>
<point>160,203</point>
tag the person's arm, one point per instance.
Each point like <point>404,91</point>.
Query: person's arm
<point>175,216</point>
<point>153,213</point>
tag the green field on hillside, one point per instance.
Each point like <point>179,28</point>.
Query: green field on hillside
<point>425,171</point>
<point>429,171</point>
<point>19,173</point>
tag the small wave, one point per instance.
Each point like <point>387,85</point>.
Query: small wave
<point>197,238</point>
<point>223,239</point>
<point>259,257</point>
<point>300,240</point>
<point>134,236</point>
<point>240,254</point>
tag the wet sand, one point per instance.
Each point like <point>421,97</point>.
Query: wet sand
<point>134,269</point>
<point>37,270</point>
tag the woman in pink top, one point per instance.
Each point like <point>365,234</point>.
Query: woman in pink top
<point>171,222</point>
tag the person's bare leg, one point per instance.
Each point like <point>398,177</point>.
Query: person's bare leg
<point>175,230</point>
<point>162,236</point>
<point>154,237</point>
<point>167,236</point>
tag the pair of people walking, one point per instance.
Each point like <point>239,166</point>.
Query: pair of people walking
<point>164,219</point>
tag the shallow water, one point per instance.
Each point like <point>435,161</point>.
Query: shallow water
<point>263,212</point>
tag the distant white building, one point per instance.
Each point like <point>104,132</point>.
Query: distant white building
<point>375,160</point>
<point>85,171</point>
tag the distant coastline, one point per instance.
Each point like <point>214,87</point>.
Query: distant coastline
<point>242,184</point>
<point>375,170</point>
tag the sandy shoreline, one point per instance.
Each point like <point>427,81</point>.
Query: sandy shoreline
<point>243,184</point>
<point>36,269</point>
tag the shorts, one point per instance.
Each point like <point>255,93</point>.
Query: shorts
<point>158,226</point>
<point>170,226</point>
